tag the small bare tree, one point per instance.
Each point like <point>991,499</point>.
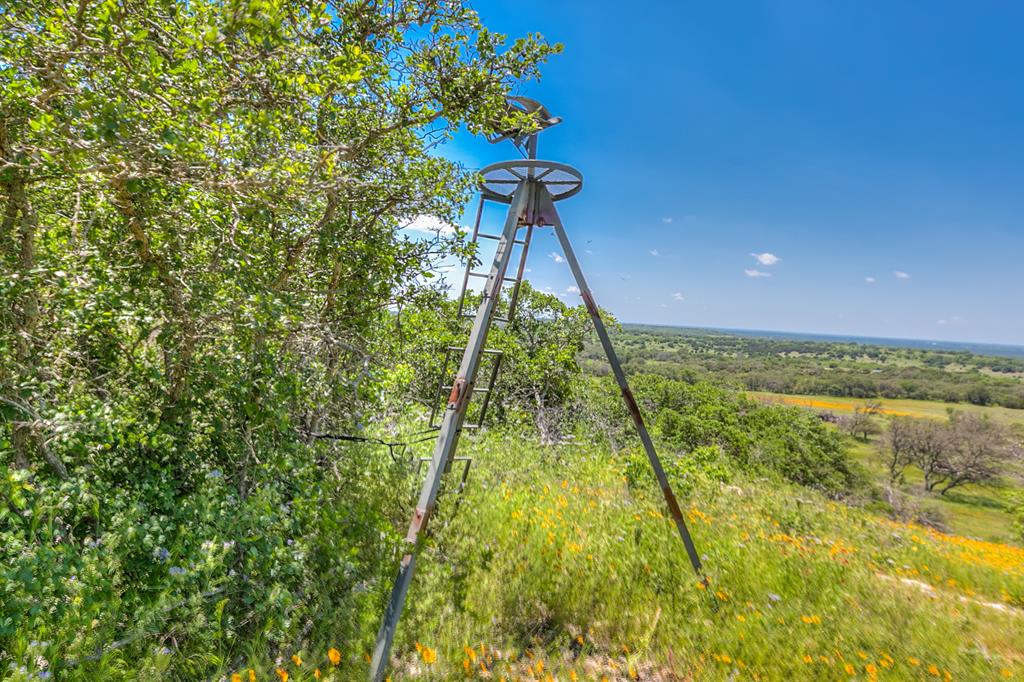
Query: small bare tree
<point>978,450</point>
<point>964,449</point>
<point>898,447</point>
<point>861,424</point>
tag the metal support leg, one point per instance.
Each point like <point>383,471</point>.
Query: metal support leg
<point>627,394</point>
<point>451,426</point>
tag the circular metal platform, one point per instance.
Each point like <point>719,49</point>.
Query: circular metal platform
<point>501,179</point>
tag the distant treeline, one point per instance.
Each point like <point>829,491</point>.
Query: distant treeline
<point>821,368</point>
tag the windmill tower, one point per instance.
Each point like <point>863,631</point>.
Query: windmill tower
<point>530,188</point>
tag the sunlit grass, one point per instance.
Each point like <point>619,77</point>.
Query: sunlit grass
<point>553,559</point>
<point>554,568</point>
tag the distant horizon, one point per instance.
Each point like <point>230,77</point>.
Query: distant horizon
<point>940,344</point>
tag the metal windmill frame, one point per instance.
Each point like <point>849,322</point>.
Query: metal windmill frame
<point>530,187</point>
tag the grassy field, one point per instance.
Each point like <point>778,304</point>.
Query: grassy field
<point>562,571</point>
<point>973,511</point>
<point>906,408</point>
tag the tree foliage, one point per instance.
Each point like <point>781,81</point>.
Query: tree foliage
<point>201,248</point>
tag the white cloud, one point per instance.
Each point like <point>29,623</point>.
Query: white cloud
<point>757,273</point>
<point>573,290</point>
<point>766,258</point>
<point>678,296</point>
<point>588,251</point>
<point>654,252</point>
<point>428,224</point>
<point>899,274</point>
<point>663,305</point>
<point>666,220</point>
<point>869,280</point>
<point>556,257</point>
<point>956,319</point>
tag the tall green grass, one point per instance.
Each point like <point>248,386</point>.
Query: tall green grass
<point>554,558</point>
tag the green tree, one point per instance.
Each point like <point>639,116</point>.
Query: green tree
<point>201,250</point>
<point>540,368</point>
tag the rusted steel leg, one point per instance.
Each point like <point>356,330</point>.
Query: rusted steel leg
<point>627,394</point>
<point>448,436</point>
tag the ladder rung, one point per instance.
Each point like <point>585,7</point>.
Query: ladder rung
<point>498,236</point>
<point>448,389</point>
<point>490,351</point>
<point>485,276</point>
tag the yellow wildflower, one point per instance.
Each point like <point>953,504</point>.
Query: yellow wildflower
<point>296,659</point>
<point>236,677</point>
<point>316,674</point>
<point>334,656</point>
<point>428,655</point>
<point>933,670</point>
<point>283,674</point>
<point>914,661</point>
<point>252,675</point>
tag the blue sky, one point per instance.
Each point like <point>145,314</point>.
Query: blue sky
<point>850,141</point>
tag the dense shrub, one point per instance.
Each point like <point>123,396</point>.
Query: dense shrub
<point>716,430</point>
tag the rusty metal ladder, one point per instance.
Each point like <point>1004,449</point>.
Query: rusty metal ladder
<point>445,384</point>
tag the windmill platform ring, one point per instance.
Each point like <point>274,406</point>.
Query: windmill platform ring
<point>500,180</point>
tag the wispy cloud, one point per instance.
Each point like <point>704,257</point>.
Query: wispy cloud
<point>869,280</point>
<point>666,220</point>
<point>654,252</point>
<point>766,258</point>
<point>678,296</point>
<point>557,257</point>
<point>955,319</point>
<point>757,273</point>
<point>428,224</point>
<point>899,274</point>
<point>573,290</point>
